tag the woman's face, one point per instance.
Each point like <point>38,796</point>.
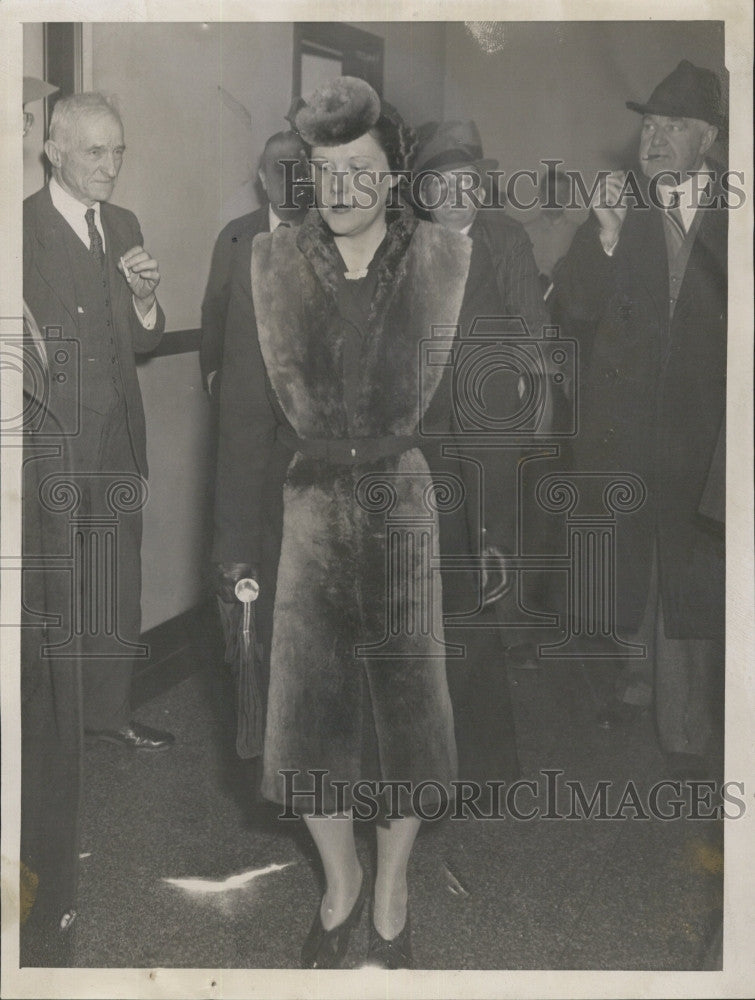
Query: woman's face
<point>352,184</point>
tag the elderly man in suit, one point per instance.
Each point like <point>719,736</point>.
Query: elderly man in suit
<point>89,282</point>
<point>283,161</point>
<point>649,275</point>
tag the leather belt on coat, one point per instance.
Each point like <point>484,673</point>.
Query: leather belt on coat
<point>348,451</point>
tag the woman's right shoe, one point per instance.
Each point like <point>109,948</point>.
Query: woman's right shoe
<point>327,949</point>
<point>393,954</point>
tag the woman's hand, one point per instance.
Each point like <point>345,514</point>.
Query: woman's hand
<point>227,575</point>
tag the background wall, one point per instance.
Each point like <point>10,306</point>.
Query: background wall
<point>191,161</point>
<point>558,90</point>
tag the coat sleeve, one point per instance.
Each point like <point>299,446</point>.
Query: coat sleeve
<point>583,278</point>
<point>144,340</point>
<point>248,425</point>
<point>498,464</point>
<point>215,306</point>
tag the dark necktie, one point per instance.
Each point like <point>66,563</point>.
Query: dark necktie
<point>96,248</point>
<point>676,225</point>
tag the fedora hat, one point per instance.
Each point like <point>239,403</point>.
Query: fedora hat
<point>688,92</point>
<point>449,145</point>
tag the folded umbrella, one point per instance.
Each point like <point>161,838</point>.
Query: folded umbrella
<point>243,654</point>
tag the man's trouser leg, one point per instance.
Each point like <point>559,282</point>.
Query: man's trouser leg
<point>106,674</point>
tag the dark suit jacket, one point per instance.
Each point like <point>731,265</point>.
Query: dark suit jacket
<point>234,242</point>
<point>516,273</point>
<point>49,292</point>
<point>653,403</point>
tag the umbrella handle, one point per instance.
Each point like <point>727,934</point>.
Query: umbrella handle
<point>247,590</point>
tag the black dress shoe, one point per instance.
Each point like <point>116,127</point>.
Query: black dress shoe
<point>327,949</point>
<point>393,954</point>
<point>135,736</point>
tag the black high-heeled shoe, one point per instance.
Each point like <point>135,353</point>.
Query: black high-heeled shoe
<point>393,954</point>
<point>327,949</point>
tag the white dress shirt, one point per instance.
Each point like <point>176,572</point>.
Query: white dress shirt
<point>74,212</point>
<point>690,195</point>
<point>272,219</point>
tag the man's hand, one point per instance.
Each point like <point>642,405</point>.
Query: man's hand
<point>227,575</point>
<point>494,575</point>
<point>142,275</point>
<point>608,211</point>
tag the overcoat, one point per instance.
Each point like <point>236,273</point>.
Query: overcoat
<point>653,403</point>
<point>234,241</point>
<point>298,374</point>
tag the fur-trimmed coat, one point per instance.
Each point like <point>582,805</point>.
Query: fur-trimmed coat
<point>290,372</point>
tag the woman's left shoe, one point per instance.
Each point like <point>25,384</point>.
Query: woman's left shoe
<point>393,954</point>
<point>327,949</point>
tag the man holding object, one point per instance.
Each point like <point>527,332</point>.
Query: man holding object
<point>651,275</point>
<point>90,286</point>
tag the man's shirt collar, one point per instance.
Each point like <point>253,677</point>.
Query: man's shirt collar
<point>73,212</point>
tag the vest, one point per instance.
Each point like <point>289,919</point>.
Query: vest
<point>101,386</point>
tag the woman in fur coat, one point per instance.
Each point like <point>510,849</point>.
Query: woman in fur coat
<point>341,351</point>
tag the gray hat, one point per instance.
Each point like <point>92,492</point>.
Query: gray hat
<point>450,145</point>
<point>35,89</point>
<point>688,92</point>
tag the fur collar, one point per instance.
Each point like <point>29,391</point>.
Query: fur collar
<point>420,286</point>
<point>316,242</point>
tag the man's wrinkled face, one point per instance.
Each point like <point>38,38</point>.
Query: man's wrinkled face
<point>677,145</point>
<point>449,196</point>
<point>87,159</point>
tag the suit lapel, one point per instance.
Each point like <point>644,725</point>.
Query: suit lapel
<point>51,256</point>
<point>115,243</point>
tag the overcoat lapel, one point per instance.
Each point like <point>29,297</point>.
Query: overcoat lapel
<point>707,258</point>
<point>646,247</point>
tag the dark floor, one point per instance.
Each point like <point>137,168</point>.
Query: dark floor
<point>502,894</point>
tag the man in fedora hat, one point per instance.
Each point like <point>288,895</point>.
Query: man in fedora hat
<point>455,184</point>
<point>651,279</point>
